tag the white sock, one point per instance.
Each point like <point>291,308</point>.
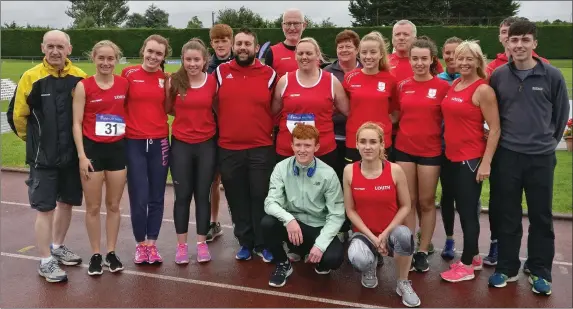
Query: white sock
<point>494,241</point>
<point>55,246</point>
<point>46,260</point>
<point>201,242</point>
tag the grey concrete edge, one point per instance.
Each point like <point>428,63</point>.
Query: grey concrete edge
<point>559,216</point>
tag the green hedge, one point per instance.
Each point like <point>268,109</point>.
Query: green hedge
<point>554,41</point>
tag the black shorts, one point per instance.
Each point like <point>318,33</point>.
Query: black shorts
<point>353,155</point>
<point>46,186</point>
<point>430,161</point>
<point>106,156</point>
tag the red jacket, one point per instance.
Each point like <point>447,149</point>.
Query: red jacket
<point>502,59</point>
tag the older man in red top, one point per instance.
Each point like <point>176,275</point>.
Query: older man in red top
<point>281,56</point>
<point>403,35</point>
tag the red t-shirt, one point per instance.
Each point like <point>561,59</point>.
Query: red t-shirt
<point>463,123</point>
<point>244,112</point>
<point>284,61</point>
<point>375,200</point>
<point>401,68</point>
<point>372,98</point>
<point>311,105</point>
<point>420,131</point>
<point>104,112</point>
<point>194,121</point>
<point>145,108</point>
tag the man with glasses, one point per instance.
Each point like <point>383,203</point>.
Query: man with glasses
<point>281,56</point>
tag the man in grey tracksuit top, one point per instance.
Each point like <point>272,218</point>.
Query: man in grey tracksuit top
<point>533,110</point>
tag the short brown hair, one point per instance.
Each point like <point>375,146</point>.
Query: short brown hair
<point>221,31</point>
<point>305,131</point>
<point>348,35</point>
<point>510,20</point>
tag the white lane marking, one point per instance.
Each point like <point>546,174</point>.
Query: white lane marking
<point>103,213</point>
<point>222,285</point>
<point>231,227</point>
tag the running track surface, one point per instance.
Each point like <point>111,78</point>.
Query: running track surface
<point>226,282</point>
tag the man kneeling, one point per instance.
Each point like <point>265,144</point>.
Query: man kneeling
<point>304,206</point>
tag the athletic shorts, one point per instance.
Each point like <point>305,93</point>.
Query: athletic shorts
<point>353,155</point>
<point>401,156</point>
<point>106,156</point>
<point>46,186</point>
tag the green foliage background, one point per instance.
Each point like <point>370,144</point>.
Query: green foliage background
<point>554,40</point>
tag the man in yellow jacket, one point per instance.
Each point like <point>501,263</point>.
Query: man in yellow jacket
<point>40,113</point>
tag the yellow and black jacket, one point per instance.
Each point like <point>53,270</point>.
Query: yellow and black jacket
<point>40,113</point>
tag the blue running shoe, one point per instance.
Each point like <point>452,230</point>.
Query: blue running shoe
<point>491,258</point>
<point>265,254</point>
<point>449,251</point>
<point>540,285</point>
<point>499,280</point>
<point>244,254</point>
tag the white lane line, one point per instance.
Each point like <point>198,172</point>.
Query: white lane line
<point>222,285</point>
<point>103,213</point>
<point>438,250</point>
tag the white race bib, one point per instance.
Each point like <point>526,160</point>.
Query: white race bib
<point>109,125</point>
<point>294,119</point>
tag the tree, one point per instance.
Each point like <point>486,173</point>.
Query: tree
<point>327,23</point>
<point>85,23</point>
<point>194,23</point>
<point>135,20</point>
<point>243,17</point>
<point>109,13</point>
<point>12,25</point>
<point>156,17</point>
<point>431,12</point>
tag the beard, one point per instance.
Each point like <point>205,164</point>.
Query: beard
<point>246,62</point>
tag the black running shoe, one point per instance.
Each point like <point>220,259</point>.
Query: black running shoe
<point>420,262</point>
<point>96,265</point>
<point>113,262</point>
<point>280,275</point>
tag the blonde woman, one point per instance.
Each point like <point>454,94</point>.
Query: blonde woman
<point>99,130</point>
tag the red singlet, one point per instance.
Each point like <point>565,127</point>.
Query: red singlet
<point>104,111</point>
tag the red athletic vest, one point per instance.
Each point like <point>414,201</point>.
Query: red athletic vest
<point>375,200</point>
<point>104,111</point>
<point>194,121</point>
<point>463,122</point>
<point>311,105</point>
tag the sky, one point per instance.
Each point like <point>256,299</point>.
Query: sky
<point>52,13</point>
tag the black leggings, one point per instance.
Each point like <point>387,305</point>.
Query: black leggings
<point>447,206</point>
<point>466,193</point>
<point>192,170</point>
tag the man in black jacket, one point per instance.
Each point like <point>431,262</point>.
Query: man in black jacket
<point>40,113</point>
<point>533,110</point>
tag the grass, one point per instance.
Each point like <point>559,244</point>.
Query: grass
<point>13,149</point>
<point>562,199</point>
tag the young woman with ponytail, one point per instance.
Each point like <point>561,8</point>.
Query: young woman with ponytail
<point>190,97</point>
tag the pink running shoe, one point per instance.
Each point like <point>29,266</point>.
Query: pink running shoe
<point>141,255</point>
<point>182,255</point>
<point>153,254</point>
<point>458,272</point>
<point>477,263</point>
<point>203,254</point>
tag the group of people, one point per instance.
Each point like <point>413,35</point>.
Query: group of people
<point>308,152</point>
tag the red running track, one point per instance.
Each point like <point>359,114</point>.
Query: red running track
<point>226,282</point>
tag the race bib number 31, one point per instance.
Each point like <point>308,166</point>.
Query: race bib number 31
<point>294,119</point>
<point>109,125</point>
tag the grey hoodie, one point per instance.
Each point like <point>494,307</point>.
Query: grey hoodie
<point>533,112</point>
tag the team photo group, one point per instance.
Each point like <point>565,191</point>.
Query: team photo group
<point>320,161</point>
